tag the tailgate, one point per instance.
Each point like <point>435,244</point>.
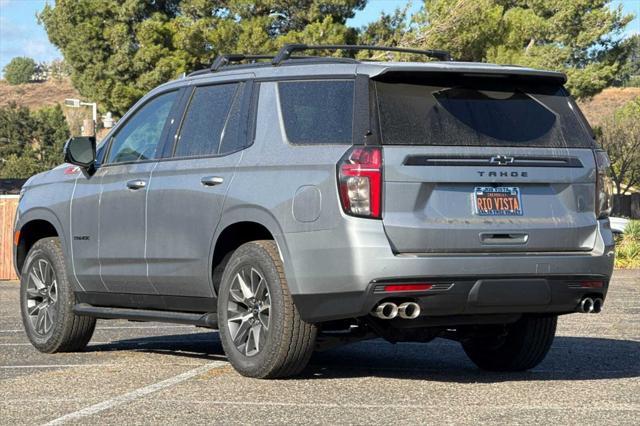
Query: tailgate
<point>480,163</point>
<point>430,200</point>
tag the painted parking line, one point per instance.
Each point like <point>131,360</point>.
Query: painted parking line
<point>136,394</point>
<point>20,330</point>
<point>127,342</point>
<point>35,366</point>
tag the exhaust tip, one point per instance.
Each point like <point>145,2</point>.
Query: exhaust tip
<point>409,310</point>
<point>586,306</point>
<point>386,310</point>
<point>597,305</point>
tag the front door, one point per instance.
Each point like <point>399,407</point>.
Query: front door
<point>125,183</point>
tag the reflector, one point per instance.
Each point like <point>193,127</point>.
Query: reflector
<point>407,287</point>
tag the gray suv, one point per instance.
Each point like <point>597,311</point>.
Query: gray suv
<point>295,203</point>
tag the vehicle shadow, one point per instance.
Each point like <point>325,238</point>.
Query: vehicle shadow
<point>192,345</point>
<point>570,358</point>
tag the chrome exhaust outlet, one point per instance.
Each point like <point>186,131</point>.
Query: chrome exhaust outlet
<point>597,305</point>
<point>586,306</point>
<point>386,310</point>
<point>409,310</point>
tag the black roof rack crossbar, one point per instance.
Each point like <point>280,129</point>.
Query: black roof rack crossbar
<point>222,60</point>
<point>285,52</point>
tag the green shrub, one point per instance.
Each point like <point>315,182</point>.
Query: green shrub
<point>628,247</point>
<point>19,70</point>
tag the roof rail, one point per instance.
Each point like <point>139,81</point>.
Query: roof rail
<point>285,52</point>
<point>222,60</point>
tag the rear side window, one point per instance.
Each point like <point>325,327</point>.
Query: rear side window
<point>479,112</point>
<point>212,124</point>
<point>317,112</point>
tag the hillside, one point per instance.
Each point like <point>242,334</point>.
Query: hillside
<point>37,95</point>
<point>605,103</point>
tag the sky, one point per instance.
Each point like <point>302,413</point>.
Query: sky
<point>21,35</point>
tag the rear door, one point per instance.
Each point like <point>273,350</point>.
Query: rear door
<point>477,164</point>
<point>188,189</point>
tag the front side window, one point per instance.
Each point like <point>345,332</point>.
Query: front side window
<point>208,123</point>
<point>138,139</point>
<point>318,111</point>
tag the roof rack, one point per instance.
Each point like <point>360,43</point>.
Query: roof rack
<point>223,60</point>
<point>285,52</point>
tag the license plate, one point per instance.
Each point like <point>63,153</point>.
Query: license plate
<point>497,201</point>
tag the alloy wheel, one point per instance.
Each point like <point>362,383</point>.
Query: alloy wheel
<point>248,311</point>
<point>42,296</point>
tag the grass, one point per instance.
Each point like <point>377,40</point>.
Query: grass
<point>606,102</point>
<point>37,95</point>
<point>628,247</point>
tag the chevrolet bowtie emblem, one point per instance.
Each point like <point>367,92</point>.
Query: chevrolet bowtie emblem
<point>501,160</point>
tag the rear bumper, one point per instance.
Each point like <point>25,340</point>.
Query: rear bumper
<point>462,296</point>
<point>332,275</point>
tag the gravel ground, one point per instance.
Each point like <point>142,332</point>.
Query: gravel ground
<point>148,373</point>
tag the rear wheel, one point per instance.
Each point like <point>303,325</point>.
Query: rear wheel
<point>522,346</point>
<point>47,299</point>
<point>260,328</point>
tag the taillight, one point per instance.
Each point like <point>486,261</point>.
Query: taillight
<point>360,182</point>
<point>604,186</point>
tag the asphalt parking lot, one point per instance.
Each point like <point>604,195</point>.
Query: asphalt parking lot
<point>148,373</point>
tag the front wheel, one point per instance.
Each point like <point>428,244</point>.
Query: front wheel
<point>47,299</point>
<point>522,346</point>
<point>260,328</point>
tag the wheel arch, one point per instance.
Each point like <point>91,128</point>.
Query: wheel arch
<point>248,227</point>
<point>33,226</point>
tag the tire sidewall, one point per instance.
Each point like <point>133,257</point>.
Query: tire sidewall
<point>49,250</point>
<point>254,256</point>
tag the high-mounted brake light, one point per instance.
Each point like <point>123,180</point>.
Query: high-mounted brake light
<point>360,182</point>
<point>604,186</point>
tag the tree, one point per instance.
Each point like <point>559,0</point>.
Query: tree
<point>388,30</point>
<point>580,37</point>
<point>619,135</point>
<point>31,142</point>
<point>19,70</point>
<point>20,167</point>
<point>16,127</point>
<point>51,132</point>
<point>118,53</point>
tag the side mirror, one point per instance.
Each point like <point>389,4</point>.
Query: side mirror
<point>81,151</point>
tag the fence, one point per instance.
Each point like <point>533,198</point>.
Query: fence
<point>8,206</point>
<point>626,206</point>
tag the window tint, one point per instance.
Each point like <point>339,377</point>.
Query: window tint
<point>208,121</point>
<point>317,111</point>
<point>480,112</point>
<point>139,138</point>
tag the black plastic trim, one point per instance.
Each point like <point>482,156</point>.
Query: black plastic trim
<point>484,161</point>
<point>148,301</point>
<point>201,320</point>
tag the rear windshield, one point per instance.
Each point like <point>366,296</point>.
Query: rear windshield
<point>480,112</point>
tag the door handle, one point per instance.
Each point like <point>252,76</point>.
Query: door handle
<point>211,180</point>
<point>136,184</point>
<point>506,238</point>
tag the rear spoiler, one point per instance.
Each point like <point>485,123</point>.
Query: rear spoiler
<point>398,71</point>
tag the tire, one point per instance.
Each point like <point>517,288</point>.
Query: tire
<point>47,299</point>
<point>524,346</point>
<point>284,341</point>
